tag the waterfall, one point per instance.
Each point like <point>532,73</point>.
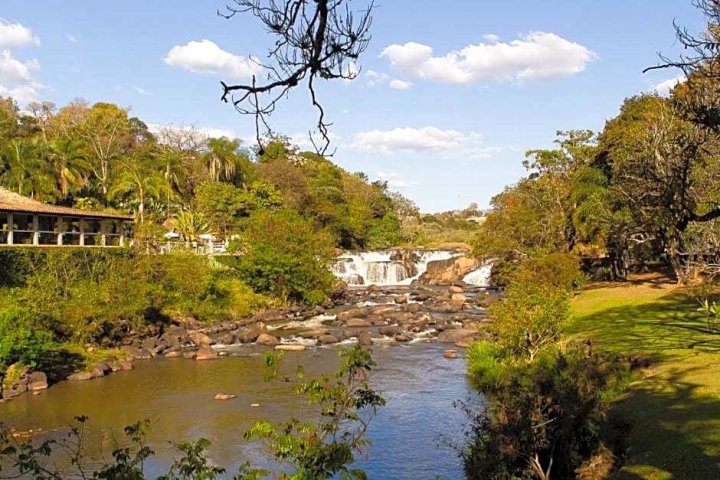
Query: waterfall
<point>480,276</point>
<point>381,267</point>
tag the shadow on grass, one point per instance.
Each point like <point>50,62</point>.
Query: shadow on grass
<point>675,433</point>
<point>658,329</point>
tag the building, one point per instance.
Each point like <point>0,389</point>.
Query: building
<point>24,221</point>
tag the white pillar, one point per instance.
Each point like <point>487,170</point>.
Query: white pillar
<point>36,228</point>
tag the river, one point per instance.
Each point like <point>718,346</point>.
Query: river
<point>412,435</point>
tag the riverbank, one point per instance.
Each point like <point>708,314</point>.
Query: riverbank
<point>674,408</point>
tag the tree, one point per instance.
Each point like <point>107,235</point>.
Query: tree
<point>138,185</point>
<point>191,225</point>
<point>224,159</point>
<point>315,40</point>
<point>221,204</point>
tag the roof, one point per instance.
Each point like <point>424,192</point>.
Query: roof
<point>12,202</point>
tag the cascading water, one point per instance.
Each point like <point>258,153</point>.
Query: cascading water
<point>479,277</point>
<point>383,268</point>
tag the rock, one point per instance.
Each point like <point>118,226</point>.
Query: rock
<point>290,348</point>
<point>358,312</point>
<point>249,334</point>
<point>228,339</point>
<point>446,272</point>
<point>364,339</point>
<point>462,344</point>
<point>358,323</point>
<point>372,288</point>
<point>456,289</point>
<point>457,335</point>
<point>314,333</point>
<point>267,340</point>
<point>223,396</point>
<point>174,354</point>
<point>458,298</point>
<point>327,339</point>
<point>123,365</point>
<point>200,339</point>
<point>137,352</point>
<point>400,299</point>
<point>403,337</point>
<point>174,336</point>
<point>37,381</point>
<point>148,344</point>
<point>80,376</point>
<point>390,330</point>
<point>190,355</point>
<point>206,353</point>
<point>413,307</point>
<point>450,354</point>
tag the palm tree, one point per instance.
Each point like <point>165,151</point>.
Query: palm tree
<point>139,185</point>
<point>24,170</point>
<point>223,159</point>
<point>191,225</point>
<point>68,164</point>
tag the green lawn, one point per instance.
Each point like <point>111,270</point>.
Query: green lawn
<point>675,409</point>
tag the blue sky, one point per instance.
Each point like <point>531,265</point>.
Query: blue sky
<point>449,96</point>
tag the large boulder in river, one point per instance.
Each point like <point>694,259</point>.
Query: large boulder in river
<point>249,334</point>
<point>200,339</point>
<point>206,353</point>
<point>364,339</point>
<point>441,272</point>
<point>358,323</point>
<point>267,340</point>
<point>457,335</point>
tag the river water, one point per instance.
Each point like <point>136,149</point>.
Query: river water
<point>413,436</point>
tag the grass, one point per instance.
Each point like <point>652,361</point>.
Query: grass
<point>674,409</point>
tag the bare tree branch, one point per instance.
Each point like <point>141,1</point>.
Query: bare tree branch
<point>315,39</point>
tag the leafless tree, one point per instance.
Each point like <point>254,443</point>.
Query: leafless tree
<point>315,40</point>
<point>700,48</point>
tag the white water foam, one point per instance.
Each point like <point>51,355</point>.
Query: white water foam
<point>378,268</point>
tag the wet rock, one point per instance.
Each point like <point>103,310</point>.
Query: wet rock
<point>134,351</point>
<point>200,339</point>
<point>390,330</point>
<point>223,396</point>
<point>451,354</point>
<point>267,340</point>
<point>458,298</point>
<point>456,289</point>
<point>457,335</point>
<point>463,344</point>
<point>190,355</point>
<point>37,381</point>
<point>358,312</point>
<point>174,354</point>
<point>445,272</point>
<point>403,337</point>
<point>206,353</point>
<point>358,323</point>
<point>327,339</point>
<point>122,365</point>
<point>400,299</point>
<point>314,333</point>
<point>413,307</point>
<point>249,334</point>
<point>364,339</point>
<point>174,336</point>
<point>290,348</point>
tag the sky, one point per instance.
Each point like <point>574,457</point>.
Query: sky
<point>448,98</point>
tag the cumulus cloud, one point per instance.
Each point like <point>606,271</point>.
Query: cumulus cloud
<point>13,34</point>
<point>206,57</point>
<point>664,87</point>
<point>16,78</point>
<point>534,56</point>
<point>409,139</point>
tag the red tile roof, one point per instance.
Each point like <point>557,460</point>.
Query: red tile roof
<point>12,202</point>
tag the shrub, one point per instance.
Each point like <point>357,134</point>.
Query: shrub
<point>546,415</point>
<point>21,338</point>
<point>287,257</point>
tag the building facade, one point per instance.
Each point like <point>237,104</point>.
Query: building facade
<point>24,221</point>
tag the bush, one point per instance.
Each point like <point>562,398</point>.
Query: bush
<point>286,257</point>
<point>546,415</point>
<point>21,337</point>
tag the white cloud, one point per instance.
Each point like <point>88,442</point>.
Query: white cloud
<point>16,79</point>
<point>664,87</point>
<point>71,38</point>
<point>16,35</point>
<point>535,56</point>
<point>395,180</point>
<point>206,57</point>
<point>378,79</point>
<point>413,139</point>
<point>142,91</point>
<point>399,84</point>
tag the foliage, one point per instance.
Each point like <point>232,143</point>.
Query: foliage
<point>22,339</point>
<point>347,402</point>
<point>544,418</point>
<point>287,257</point>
